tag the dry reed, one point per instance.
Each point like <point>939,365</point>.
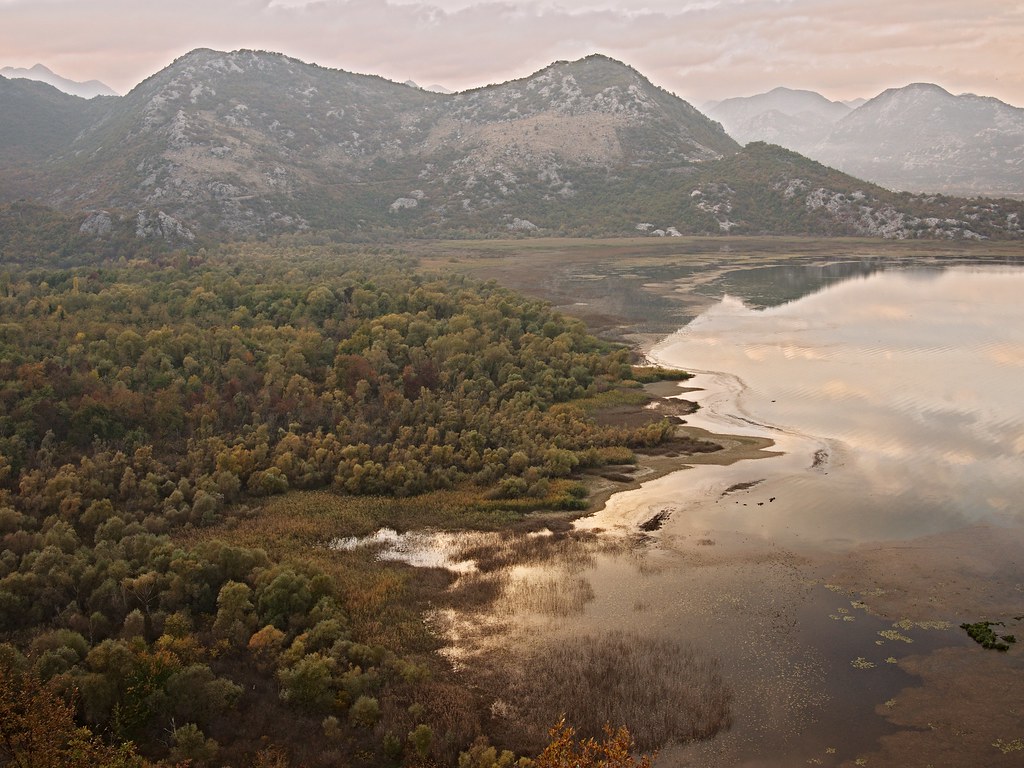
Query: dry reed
<point>663,691</point>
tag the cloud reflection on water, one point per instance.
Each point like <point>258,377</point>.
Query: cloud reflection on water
<point>919,380</point>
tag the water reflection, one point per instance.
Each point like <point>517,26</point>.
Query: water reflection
<point>771,286</point>
<point>910,381</point>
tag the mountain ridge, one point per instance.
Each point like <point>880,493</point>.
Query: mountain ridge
<point>918,138</point>
<point>252,143</point>
<point>40,73</point>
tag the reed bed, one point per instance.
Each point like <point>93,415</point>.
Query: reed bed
<point>662,690</point>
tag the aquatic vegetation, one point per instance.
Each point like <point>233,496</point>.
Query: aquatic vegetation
<point>907,624</point>
<point>983,634</point>
<point>1006,747</point>
<point>892,634</point>
<point>663,691</point>
<point>861,663</point>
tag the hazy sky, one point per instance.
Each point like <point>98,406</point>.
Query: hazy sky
<point>701,50</point>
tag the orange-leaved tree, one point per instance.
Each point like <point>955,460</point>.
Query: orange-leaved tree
<point>565,750</point>
<point>38,730</point>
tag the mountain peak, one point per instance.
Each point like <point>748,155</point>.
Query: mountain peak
<point>923,138</point>
<point>913,90</point>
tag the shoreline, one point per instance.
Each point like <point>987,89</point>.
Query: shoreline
<point>923,586</point>
<point>652,467</point>
<point>796,622</point>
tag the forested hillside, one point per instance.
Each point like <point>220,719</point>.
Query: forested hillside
<point>145,402</point>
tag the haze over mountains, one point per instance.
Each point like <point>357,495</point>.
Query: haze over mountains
<point>40,73</point>
<point>919,138</point>
<point>253,143</point>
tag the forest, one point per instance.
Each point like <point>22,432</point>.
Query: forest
<point>151,406</point>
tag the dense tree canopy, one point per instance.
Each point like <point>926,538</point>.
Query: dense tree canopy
<point>142,398</point>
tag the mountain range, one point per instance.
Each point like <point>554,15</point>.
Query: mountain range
<point>919,138</point>
<point>251,143</point>
<point>86,90</point>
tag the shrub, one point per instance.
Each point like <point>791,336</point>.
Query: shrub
<point>365,712</point>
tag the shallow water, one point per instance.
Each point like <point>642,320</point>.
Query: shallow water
<point>898,398</point>
<point>895,398</point>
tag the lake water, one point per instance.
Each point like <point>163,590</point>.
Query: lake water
<point>897,397</point>
<point>896,400</point>
<point>894,396</point>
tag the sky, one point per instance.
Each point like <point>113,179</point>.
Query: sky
<point>701,50</point>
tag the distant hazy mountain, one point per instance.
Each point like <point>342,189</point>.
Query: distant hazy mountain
<point>791,118</point>
<point>922,138</point>
<point>917,139</point>
<point>251,143</point>
<point>431,88</point>
<point>40,73</point>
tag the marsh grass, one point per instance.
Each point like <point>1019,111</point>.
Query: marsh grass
<point>476,591</point>
<point>383,600</point>
<point>570,550</point>
<point>662,690</point>
<point>546,595</point>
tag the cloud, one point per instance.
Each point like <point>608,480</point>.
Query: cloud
<point>701,50</point>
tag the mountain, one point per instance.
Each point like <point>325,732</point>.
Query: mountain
<point>791,118</point>
<point>251,143</point>
<point>37,123</point>
<point>86,90</point>
<point>919,138</point>
<point>432,88</point>
<point>922,138</point>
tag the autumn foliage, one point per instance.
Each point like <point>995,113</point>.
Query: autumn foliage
<point>146,403</point>
<point>615,750</point>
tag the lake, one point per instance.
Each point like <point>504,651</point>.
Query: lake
<point>825,581</point>
<point>820,576</point>
<point>898,397</point>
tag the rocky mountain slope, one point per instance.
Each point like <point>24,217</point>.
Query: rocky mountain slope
<point>923,138</point>
<point>85,90</point>
<point>251,143</point>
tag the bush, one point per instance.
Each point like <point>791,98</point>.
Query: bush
<point>422,739</point>
<point>365,712</point>
<point>191,745</point>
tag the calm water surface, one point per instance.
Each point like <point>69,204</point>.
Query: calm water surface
<point>896,400</point>
<point>897,396</point>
